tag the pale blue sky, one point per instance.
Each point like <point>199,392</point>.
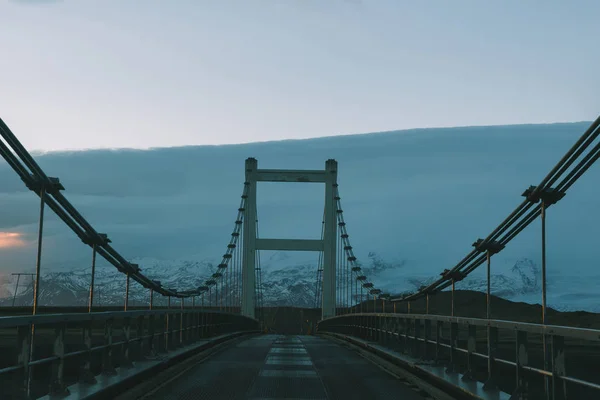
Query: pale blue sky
<point>148,73</point>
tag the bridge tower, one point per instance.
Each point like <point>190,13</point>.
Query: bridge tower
<point>327,245</point>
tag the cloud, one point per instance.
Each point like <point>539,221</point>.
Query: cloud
<point>426,195</point>
<point>9,240</point>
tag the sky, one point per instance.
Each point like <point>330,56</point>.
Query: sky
<point>130,73</point>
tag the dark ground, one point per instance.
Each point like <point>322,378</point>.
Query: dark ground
<point>292,320</point>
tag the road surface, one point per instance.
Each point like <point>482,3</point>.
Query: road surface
<point>270,367</point>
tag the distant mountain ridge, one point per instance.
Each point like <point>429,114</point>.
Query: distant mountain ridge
<point>292,285</point>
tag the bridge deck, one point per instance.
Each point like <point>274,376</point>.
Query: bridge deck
<point>286,367</point>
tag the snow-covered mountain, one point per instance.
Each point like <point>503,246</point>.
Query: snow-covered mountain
<point>284,283</point>
<point>414,201</point>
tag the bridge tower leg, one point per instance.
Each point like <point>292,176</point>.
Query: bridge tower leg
<point>249,245</point>
<point>329,240</point>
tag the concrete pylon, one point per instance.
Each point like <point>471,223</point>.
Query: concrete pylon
<point>252,244</point>
<point>329,241</point>
<point>249,248</point>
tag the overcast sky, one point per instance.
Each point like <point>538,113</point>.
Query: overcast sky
<point>123,73</point>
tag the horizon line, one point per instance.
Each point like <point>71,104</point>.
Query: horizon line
<point>39,152</point>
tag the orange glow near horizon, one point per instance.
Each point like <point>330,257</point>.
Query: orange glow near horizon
<point>11,239</point>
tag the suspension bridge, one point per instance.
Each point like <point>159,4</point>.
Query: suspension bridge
<point>209,341</point>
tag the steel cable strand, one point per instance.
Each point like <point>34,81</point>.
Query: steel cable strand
<point>232,241</point>
<point>516,230</point>
<point>15,164</point>
<point>465,266</point>
<point>580,169</point>
<point>20,150</point>
<point>348,247</point>
<point>475,260</point>
<point>585,140</point>
<point>574,152</point>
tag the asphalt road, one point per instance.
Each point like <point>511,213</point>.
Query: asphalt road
<point>281,367</point>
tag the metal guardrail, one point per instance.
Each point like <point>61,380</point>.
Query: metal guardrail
<point>71,342</point>
<point>425,337</point>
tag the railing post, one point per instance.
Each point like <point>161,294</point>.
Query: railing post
<point>471,349</point>
<point>57,385</point>
<point>452,299</point>
<point>186,327</point>
<point>24,337</point>
<point>398,330</point>
<point>521,361</point>
<point>107,359</point>
<point>492,349</point>
<point>205,332</point>
<point>453,343</point>
<point>139,354</point>
<point>181,324</point>
<point>199,328</point>
<point>126,357</point>
<point>163,336</point>
<point>170,332</point>
<point>376,330</point>
<point>406,335</point>
<point>86,375</point>
<point>151,337</point>
<point>439,326</point>
<point>426,336</point>
<point>417,344</point>
<point>191,326</point>
<point>196,328</point>
<point>559,386</point>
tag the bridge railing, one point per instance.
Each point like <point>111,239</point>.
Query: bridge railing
<point>500,354</point>
<point>77,347</point>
